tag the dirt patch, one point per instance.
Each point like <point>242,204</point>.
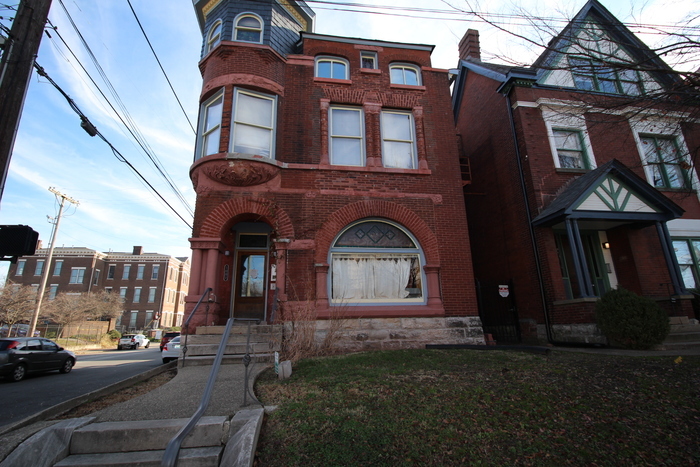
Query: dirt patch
<point>122,395</point>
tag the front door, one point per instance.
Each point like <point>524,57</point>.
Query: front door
<point>249,295</point>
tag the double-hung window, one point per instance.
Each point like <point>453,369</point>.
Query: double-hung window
<point>57,267</point>
<point>53,290</point>
<point>137,294</point>
<point>139,271</point>
<point>210,125</point>
<point>332,67</point>
<point>125,273</point>
<point>214,36</point>
<point>346,136</point>
<point>154,271</point>
<point>39,269</point>
<point>405,74</point>
<point>570,149</point>
<point>249,28</point>
<point>110,271</point>
<point>254,116</point>
<point>688,256</point>
<point>20,267</point>
<point>664,162</point>
<point>77,275</point>
<point>398,140</point>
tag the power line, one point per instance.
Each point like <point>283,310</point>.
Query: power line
<point>161,67</point>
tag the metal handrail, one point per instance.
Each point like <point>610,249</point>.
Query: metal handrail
<point>186,325</point>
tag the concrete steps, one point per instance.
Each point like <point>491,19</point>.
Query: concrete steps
<point>684,334</point>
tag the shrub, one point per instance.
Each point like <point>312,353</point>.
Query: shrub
<point>631,321</point>
<point>114,334</point>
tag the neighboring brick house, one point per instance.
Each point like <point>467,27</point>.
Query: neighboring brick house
<point>328,181</point>
<point>583,179</point>
<point>152,285</point>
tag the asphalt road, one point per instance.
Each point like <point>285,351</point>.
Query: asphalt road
<point>93,371</point>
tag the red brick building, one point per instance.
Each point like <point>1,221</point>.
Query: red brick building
<point>583,179</point>
<point>328,181</point>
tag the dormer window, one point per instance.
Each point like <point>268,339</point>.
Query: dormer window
<point>405,74</point>
<point>214,36</point>
<point>590,75</point>
<point>332,67</point>
<point>249,28</point>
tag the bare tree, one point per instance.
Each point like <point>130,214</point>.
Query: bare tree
<point>17,304</point>
<point>104,305</point>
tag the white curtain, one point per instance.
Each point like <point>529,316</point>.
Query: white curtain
<point>370,277</point>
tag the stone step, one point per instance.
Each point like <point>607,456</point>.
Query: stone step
<point>232,339</point>
<point>199,360</point>
<point>677,328</point>
<point>677,337</point>
<point>192,457</point>
<point>146,435</point>
<point>231,349</point>
<point>242,329</point>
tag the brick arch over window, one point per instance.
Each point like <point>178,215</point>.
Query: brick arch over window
<point>213,225</point>
<point>392,211</point>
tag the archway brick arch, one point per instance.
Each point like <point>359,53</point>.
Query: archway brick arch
<point>376,208</point>
<point>215,222</point>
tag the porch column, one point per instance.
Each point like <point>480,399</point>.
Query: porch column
<point>195,273</point>
<point>667,247</point>
<point>579,256</point>
<point>432,276</point>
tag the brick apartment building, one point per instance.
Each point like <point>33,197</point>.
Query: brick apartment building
<point>328,181</point>
<point>583,179</point>
<point>152,285</point>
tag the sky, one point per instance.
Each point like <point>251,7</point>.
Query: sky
<point>116,210</point>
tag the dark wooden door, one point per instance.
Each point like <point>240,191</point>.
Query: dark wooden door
<point>249,297</point>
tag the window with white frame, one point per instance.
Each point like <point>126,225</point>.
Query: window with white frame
<point>332,67</point>
<point>137,294</point>
<point>139,271</point>
<point>77,275</point>
<point>151,294</point>
<point>214,36</point>
<point>398,140</point>
<point>368,60</point>
<point>154,271</point>
<point>592,75</point>
<point>346,136</point>
<point>96,277</point>
<point>39,269</point>
<point>111,270</point>
<point>249,28</point>
<point>132,320</point>
<point>254,116</point>
<point>126,271</point>
<point>57,267</point>
<point>402,73</point>
<point>108,289</point>
<point>122,293</point>
<point>53,289</point>
<point>664,162</point>
<point>210,125</point>
<point>688,256</point>
<point>570,149</point>
<point>376,262</point>
<point>20,267</point>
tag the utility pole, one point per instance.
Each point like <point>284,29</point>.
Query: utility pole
<point>16,67</point>
<point>47,262</point>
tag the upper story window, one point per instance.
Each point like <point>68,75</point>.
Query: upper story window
<point>139,271</point>
<point>332,67</point>
<point>125,273</point>
<point>20,267</point>
<point>688,255</point>
<point>570,149</point>
<point>346,136</point>
<point>77,275</point>
<point>39,269</point>
<point>590,75</point>
<point>398,140</point>
<point>110,271</point>
<point>57,267</point>
<point>154,271</point>
<point>665,165</point>
<point>405,74</point>
<point>210,125</point>
<point>214,36</point>
<point>254,117</point>
<point>249,28</point>
<point>368,60</point>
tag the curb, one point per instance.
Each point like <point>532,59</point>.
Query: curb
<point>65,406</point>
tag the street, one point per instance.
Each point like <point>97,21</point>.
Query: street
<point>92,371</point>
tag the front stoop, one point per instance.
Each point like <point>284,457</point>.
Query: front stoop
<point>684,334</point>
<point>202,347</point>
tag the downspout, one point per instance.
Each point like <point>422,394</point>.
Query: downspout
<point>535,250</point>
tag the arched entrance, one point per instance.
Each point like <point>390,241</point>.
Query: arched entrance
<point>251,270</point>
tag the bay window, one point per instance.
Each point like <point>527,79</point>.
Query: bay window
<point>254,117</point>
<point>210,125</point>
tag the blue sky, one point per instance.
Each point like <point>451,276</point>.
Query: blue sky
<point>116,210</point>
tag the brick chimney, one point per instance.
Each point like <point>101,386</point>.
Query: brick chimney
<point>138,250</point>
<point>469,46</point>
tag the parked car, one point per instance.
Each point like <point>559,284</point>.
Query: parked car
<point>133,341</point>
<point>171,350</point>
<point>22,355</point>
<point>166,338</point>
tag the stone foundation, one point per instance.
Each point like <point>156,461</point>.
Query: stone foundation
<point>573,333</point>
<point>400,333</point>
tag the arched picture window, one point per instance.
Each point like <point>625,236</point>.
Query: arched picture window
<point>376,262</point>
<point>332,67</point>
<point>402,73</point>
<point>249,28</point>
<point>214,36</point>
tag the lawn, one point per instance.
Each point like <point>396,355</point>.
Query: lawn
<point>495,408</point>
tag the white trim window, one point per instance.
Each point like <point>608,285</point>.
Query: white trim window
<point>139,271</point>
<point>154,272</point>
<point>404,73</point>
<point>58,265</point>
<point>376,262</point>
<point>214,36</point>
<point>132,319</point>
<point>398,140</point>
<point>151,294</point>
<point>77,275</point>
<point>568,138</point>
<point>122,293</point>
<point>569,147</point>
<point>210,125</point>
<point>332,67</point>
<point>53,290</point>
<point>248,28</point>
<point>254,117</point>
<point>126,272</point>
<point>663,161</point>
<point>346,136</point>
<point>368,60</point>
<point>111,270</point>
<point>39,269</point>
<point>20,267</point>
<point>137,294</point>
